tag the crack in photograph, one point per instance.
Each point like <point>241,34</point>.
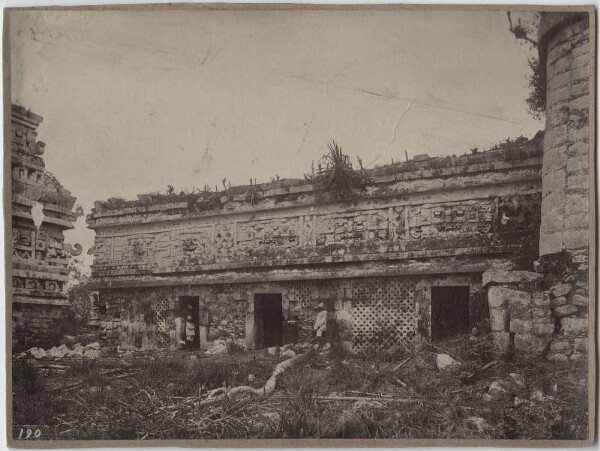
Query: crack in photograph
<point>285,225</point>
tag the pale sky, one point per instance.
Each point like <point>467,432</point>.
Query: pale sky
<point>134,101</point>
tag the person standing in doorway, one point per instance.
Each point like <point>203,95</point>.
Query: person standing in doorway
<point>320,326</point>
<point>180,331</point>
<point>190,333</point>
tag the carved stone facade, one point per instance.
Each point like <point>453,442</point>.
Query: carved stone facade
<point>421,224</point>
<point>41,211</point>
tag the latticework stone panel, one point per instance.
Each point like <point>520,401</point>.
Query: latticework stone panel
<point>298,292</point>
<point>383,314</point>
<point>161,306</point>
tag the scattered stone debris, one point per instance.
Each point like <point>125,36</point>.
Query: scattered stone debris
<point>218,347</point>
<point>496,389</point>
<point>288,353</point>
<point>538,395</point>
<point>517,379</point>
<point>366,404</point>
<point>90,351</point>
<point>479,423</point>
<point>446,363</point>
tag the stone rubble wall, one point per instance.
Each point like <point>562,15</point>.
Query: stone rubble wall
<point>548,315</point>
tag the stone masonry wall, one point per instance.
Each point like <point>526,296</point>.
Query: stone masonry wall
<point>516,307</point>
<point>41,210</point>
<point>547,313</point>
<point>37,325</point>
<point>144,317</point>
<point>564,48</point>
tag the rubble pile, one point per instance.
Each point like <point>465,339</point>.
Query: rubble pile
<point>569,304</point>
<point>89,351</point>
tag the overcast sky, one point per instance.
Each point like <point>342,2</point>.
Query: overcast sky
<point>134,101</point>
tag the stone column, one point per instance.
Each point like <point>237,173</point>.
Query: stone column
<point>564,47</point>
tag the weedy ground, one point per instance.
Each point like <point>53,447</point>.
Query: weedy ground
<point>333,395</point>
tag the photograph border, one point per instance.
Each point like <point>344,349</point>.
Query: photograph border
<point>295,443</point>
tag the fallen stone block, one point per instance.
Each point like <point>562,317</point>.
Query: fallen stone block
<point>91,354</point>
<point>538,395</point>
<point>561,289</point>
<point>57,352</point>
<point>37,353</point>
<point>479,423</point>
<point>517,379</point>
<point>288,353</point>
<point>496,389</point>
<point>501,276</point>
<point>218,347</point>
<point>520,401</point>
<point>94,345</point>
<point>273,350</point>
<point>446,363</point>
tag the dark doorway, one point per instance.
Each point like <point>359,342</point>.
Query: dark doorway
<point>268,320</point>
<point>449,311</point>
<point>189,312</point>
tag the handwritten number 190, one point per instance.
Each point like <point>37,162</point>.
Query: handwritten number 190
<point>25,434</point>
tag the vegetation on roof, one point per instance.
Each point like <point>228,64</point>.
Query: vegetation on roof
<point>334,179</point>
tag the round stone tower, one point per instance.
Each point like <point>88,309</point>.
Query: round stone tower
<point>565,61</point>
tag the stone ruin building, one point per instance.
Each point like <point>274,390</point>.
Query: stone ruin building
<point>429,248</point>
<point>41,211</point>
<point>399,262</point>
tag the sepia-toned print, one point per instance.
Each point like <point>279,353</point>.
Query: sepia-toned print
<point>301,223</point>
